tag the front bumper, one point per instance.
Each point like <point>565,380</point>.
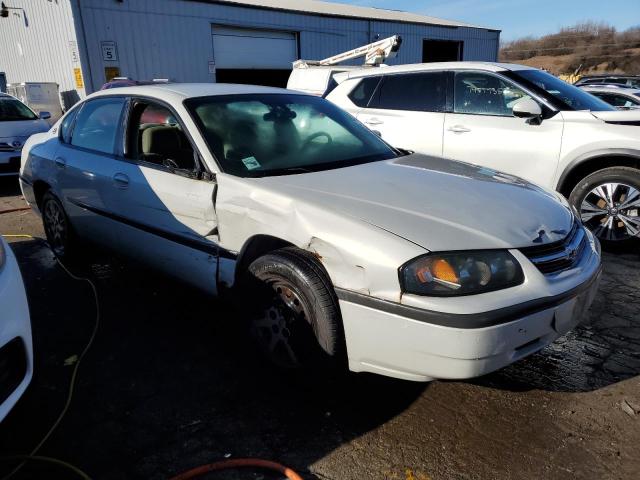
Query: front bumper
<point>405,342</point>
<point>9,163</point>
<point>16,349</point>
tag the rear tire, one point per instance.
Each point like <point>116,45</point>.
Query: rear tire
<point>296,320</point>
<point>608,202</point>
<point>58,230</point>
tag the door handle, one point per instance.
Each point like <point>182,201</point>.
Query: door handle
<point>373,121</point>
<point>60,162</point>
<point>121,180</point>
<point>459,129</point>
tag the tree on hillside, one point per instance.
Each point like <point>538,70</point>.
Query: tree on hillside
<point>590,44</point>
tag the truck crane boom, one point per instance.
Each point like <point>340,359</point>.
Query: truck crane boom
<point>375,54</point>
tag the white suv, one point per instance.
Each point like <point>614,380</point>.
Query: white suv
<point>514,119</point>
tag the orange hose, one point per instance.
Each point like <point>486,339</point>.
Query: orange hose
<point>15,210</point>
<point>238,463</point>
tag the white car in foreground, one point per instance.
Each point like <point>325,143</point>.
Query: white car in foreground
<point>510,118</point>
<point>16,351</point>
<point>17,123</point>
<point>342,248</point>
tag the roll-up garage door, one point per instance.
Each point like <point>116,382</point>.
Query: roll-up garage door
<point>260,57</point>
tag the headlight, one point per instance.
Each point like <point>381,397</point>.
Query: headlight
<point>460,273</point>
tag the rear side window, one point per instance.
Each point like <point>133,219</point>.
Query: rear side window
<point>97,125</point>
<point>420,92</point>
<point>363,91</point>
<point>67,125</point>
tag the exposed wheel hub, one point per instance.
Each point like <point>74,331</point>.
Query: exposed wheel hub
<point>275,327</point>
<point>55,226</point>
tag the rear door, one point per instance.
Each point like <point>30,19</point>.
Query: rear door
<point>408,111</point>
<point>483,130</point>
<point>158,193</point>
<point>83,164</point>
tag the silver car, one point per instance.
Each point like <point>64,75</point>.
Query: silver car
<point>342,249</point>
<point>623,98</point>
<point>17,123</point>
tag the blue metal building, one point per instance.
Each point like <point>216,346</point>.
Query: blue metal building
<point>80,44</point>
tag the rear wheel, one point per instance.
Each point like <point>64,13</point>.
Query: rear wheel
<point>296,320</point>
<point>609,204</point>
<point>57,228</point>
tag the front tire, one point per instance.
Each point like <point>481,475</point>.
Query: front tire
<point>608,202</point>
<point>296,320</point>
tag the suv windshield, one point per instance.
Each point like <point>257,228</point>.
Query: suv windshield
<point>12,109</point>
<point>563,95</point>
<point>257,135</point>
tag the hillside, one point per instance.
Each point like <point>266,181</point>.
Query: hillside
<point>597,47</point>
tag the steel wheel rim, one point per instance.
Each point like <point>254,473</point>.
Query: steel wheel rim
<point>611,210</point>
<point>55,226</point>
<point>276,326</point>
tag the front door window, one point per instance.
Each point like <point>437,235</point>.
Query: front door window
<point>483,94</point>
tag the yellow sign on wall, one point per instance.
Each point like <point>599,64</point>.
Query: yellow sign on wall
<point>77,73</point>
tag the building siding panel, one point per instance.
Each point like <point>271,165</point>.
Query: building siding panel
<point>35,45</point>
<point>172,38</point>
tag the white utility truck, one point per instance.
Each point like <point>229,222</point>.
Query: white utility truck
<point>316,77</point>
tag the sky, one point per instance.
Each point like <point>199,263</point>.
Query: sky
<point>519,18</point>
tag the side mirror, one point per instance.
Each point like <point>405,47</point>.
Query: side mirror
<point>527,108</point>
<point>44,115</point>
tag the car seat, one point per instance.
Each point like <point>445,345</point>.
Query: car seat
<point>161,145</point>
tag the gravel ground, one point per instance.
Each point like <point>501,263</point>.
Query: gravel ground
<point>171,383</point>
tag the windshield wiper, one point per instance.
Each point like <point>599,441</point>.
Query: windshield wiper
<point>297,169</point>
<point>284,171</point>
<point>403,152</point>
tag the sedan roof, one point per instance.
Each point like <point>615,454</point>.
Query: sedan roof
<point>181,91</point>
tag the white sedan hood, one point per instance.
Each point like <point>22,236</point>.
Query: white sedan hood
<point>435,203</point>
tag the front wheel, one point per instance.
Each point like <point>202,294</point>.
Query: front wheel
<point>296,320</point>
<point>608,202</point>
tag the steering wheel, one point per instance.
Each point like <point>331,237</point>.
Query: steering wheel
<point>310,139</point>
<point>167,162</point>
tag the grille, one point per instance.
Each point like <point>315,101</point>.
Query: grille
<point>13,367</point>
<point>558,256</point>
<point>12,167</point>
<point>5,147</point>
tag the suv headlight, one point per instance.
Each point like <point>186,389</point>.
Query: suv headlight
<point>460,273</point>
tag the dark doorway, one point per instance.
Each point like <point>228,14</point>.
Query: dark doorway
<point>442,51</point>
<point>269,78</point>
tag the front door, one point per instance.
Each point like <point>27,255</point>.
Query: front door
<point>482,129</point>
<point>164,208</point>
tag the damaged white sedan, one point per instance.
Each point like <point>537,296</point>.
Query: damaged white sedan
<point>345,250</point>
